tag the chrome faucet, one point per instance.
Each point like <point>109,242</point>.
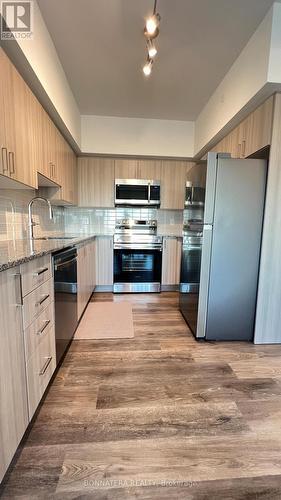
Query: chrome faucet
<point>31,222</point>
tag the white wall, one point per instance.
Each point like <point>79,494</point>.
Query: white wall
<point>247,76</point>
<point>42,56</point>
<point>137,136</point>
<point>274,69</point>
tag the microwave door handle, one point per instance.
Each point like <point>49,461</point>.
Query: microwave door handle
<point>149,193</point>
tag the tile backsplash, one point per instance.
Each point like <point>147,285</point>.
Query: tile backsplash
<point>102,220</point>
<point>73,220</point>
<point>14,215</point>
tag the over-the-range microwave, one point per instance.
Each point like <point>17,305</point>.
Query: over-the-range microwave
<point>137,192</point>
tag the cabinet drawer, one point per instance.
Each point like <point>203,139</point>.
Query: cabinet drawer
<point>35,272</point>
<point>40,369</point>
<point>35,302</point>
<point>38,330</point>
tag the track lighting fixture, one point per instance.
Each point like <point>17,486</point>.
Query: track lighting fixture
<point>151,31</point>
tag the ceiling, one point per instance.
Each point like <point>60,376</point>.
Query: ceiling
<point>101,47</point>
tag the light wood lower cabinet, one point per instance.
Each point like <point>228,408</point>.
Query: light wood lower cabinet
<point>35,272</point>
<point>39,327</point>
<point>40,368</point>
<point>104,261</point>
<point>171,261</point>
<point>13,395</point>
<point>85,274</point>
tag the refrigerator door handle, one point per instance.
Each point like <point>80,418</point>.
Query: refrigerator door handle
<point>204,280</point>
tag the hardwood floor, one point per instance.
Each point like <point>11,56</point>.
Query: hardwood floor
<point>160,416</point>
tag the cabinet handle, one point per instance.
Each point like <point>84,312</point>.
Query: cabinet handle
<point>44,327</point>
<point>243,148</point>
<point>40,302</point>
<point>5,168</point>
<point>19,279</point>
<point>48,361</point>
<point>12,156</point>
<point>41,271</point>
<point>51,169</point>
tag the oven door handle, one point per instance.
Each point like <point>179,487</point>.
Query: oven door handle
<point>137,247</point>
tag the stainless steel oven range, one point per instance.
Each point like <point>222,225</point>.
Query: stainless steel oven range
<point>137,256</point>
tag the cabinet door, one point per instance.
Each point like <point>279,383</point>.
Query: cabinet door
<point>92,266</point>
<point>173,180</point>
<point>104,261</point>
<point>171,261</point>
<point>96,182</point>
<point>7,117</point>
<point>126,169</point>
<point>149,169</point>
<point>260,128</point>
<point>13,395</point>
<point>50,149</point>
<point>22,167</point>
<point>81,278</point>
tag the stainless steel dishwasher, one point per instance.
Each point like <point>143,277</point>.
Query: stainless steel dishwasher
<point>66,316</point>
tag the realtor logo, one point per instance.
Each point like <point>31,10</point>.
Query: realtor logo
<point>16,19</point>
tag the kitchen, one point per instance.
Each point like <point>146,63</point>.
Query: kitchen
<point>138,235</point>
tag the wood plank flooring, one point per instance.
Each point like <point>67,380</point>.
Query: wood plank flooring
<point>158,417</point>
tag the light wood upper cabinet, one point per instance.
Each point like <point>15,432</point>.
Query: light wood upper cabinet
<point>126,168</point>
<point>137,169</point>
<point>7,117</point>
<point>171,261</point>
<point>251,135</point>
<point>95,182</point>
<point>13,394</point>
<point>15,126</point>
<point>173,180</point>
<point>50,149</point>
<point>259,127</point>
<point>149,169</point>
<point>24,168</point>
<point>62,170</point>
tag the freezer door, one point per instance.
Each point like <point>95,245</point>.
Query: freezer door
<point>210,188</point>
<point>237,229</point>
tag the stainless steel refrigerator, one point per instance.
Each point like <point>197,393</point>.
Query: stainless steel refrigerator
<point>221,250</point>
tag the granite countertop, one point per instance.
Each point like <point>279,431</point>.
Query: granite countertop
<point>15,252</point>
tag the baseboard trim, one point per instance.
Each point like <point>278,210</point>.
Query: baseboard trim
<point>103,288</point>
<point>169,288</point>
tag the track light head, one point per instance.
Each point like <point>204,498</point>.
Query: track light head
<point>152,51</point>
<point>147,67</point>
<point>151,29</point>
